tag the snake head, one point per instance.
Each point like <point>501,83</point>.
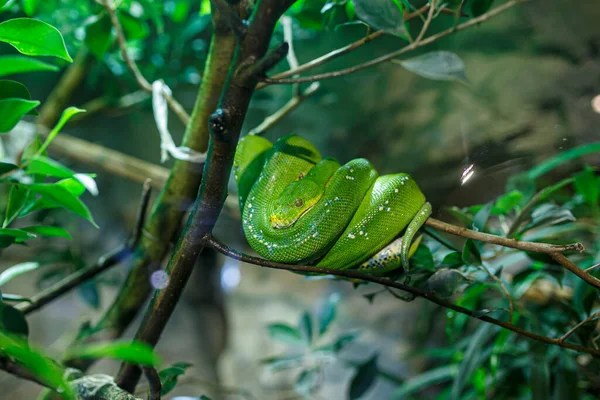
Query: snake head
<point>295,201</point>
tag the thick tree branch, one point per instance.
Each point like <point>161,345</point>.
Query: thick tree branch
<point>387,57</point>
<point>225,125</point>
<point>223,249</point>
<point>237,25</point>
<point>133,68</point>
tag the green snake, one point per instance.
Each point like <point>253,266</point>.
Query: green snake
<point>298,207</point>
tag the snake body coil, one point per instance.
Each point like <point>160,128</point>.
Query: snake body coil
<point>299,207</point>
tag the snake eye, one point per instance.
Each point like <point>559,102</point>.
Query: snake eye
<point>298,202</point>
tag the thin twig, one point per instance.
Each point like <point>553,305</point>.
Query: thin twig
<point>74,280</point>
<point>571,266</point>
<point>501,241</point>
<point>579,325</point>
<point>392,55</point>
<point>223,249</point>
<point>290,106</point>
<point>175,106</point>
<point>427,22</point>
<point>153,382</point>
<point>332,55</point>
<point>141,214</point>
<point>503,288</point>
<point>593,267</point>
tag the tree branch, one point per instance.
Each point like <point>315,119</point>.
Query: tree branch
<point>579,325</point>
<point>223,249</point>
<point>252,57</point>
<point>133,68</point>
<point>392,55</point>
<point>154,384</point>
<point>237,25</point>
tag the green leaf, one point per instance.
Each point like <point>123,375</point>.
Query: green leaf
<point>64,118</point>
<point>548,214</point>
<point>507,202</point>
<point>12,89</point>
<point>385,15</point>
<point>170,375</point>
<point>12,110</point>
<point>424,381</point>
<point>561,158</point>
<point>461,216</point>
<point>308,381</point>
<point>30,7</point>
<point>71,185</point>
<point>13,321</point>
<point>305,327</point>
<point>63,197</point>
<point>453,260</point>
<point>17,199</point>
<point>586,185</point>
<point>364,378</point>
<point>134,28</point>
<point>49,231</point>
<point>98,35</point>
<point>285,333</point>
<point>327,312</point>
<point>472,359</point>
<point>131,352</point>
<point>481,217</point>
<point>16,233</point>
<point>46,166</point>
<point>43,368</point>
<point>447,282</point>
<point>422,259</point>
<point>33,37</point>
<point>437,65</point>
<point>283,362</point>
<point>90,294</point>
<point>479,7</point>
<point>204,8</point>
<point>470,254</point>
<point>10,65</point>
<point>17,270</point>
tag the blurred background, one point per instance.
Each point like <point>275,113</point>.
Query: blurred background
<point>532,74</point>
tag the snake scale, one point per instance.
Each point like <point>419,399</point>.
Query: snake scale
<point>299,207</point>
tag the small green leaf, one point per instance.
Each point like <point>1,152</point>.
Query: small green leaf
<point>364,378</point>
<point>204,8</point>
<point>461,216</point>
<point>285,333</point>
<point>98,35</point>
<point>470,254</point>
<point>16,64</point>
<point>135,28</point>
<point>17,199</point>
<point>30,7</point>
<point>16,233</point>
<point>64,118</point>
<point>561,158</point>
<point>586,185</point>
<point>437,65</point>
<point>481,217</point>
<point>5,168</point>
<point>422,259</point>
<point>327,312</point>
<point>63,197</point>
<point>49,231</point>
<point>44,369</point>
<point>71,185</point>
<point>12,110</point>
<point>508,202</point>
<point>548,214</point>
<point>33,37</point>
<point>170,375</point>
<point>46,166</point>
<point>131,352</point>
<point>305,327</point>
<point>17,270</point>
<point>12,89</point>
<point>453,260</point>
<point>385,15</point>
<point>90,294</point>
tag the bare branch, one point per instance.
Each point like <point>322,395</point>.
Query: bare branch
<point>290,106</point>
<point>74,280</point>
<point>430,15</point>
<point>579,325</point>
<point>153,382</point>
<point>571,266</point>
<point>220,247</point>
<point>141,215</point>
<point>392,55</point>
<point>133,68</point>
